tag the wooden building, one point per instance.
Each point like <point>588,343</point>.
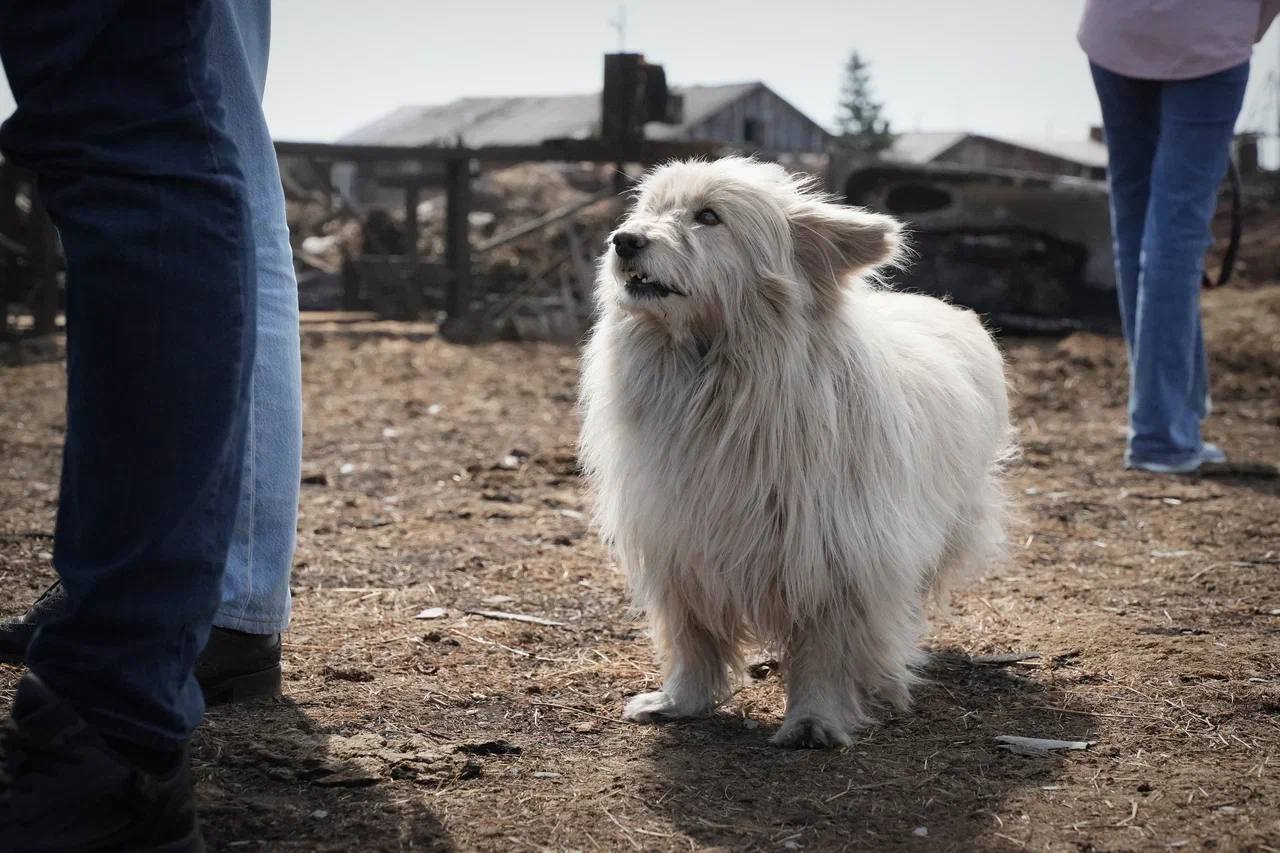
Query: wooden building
<point>1083,158</point>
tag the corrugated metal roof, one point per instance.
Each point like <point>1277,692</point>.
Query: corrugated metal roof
<point>1086,152</point>
<point>922,147</point>
<point>529,120</point>
<point>926,147</point>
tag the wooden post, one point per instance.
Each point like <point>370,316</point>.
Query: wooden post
<point>9,229</point>
<point>457,252</point>
<point>413,277</point>
<point>9,201</point>
<point>43,254</point>
<point>350,286</point>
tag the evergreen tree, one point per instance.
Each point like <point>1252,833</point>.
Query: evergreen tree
<point>859,116</point>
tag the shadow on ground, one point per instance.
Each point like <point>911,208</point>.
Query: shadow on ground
<point>933,776</point>
<point>1259,477</point>
<point>270,778</point>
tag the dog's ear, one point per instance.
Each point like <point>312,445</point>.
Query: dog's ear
<point>834,241</point>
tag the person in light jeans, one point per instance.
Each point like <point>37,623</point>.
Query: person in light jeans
<point>177,509</point>
<point>1170,77</point>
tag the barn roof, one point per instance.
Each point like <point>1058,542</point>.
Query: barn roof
<point>530,119</point>
<point>922,147</point>
<point>928,146</point>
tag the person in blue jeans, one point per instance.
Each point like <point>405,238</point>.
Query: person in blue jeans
<point>242,657</point>
<point>1170,77</point>
<point>142,123</point>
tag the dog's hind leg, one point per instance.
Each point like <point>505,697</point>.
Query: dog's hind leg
<point>824,703</point>
<point>839,666</point>
<point>695,668</point>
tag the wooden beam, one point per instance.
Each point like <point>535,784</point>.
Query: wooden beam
<point>541,222</point>
<point>553,150</point>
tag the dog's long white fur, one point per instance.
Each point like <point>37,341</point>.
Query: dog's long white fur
<point>784,453</point>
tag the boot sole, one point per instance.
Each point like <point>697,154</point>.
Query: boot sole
<point>263,684</point>
<point>193,842</point>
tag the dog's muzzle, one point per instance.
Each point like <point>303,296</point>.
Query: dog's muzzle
<point>641,285</point>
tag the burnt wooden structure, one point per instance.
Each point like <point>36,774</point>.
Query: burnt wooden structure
<point>395,282</point>
<point>1030,252</point>
<point>404,286</point>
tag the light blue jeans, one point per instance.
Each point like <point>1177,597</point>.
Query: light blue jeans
<point>255,588</point>
<point>1168,144</point>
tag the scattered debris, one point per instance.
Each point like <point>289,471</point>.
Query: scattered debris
<point>316,478</point>
<point>1066,658</point>
<point>1039,747</point>
<point>347,674</point>
<point>1004,659</point>
<point>497,599</point>
<point>510,462</point>
<point>347,777</point>
<point>921,831</point>
<point>433,613</point>
<point>489,747</point>
<point>516,617</point>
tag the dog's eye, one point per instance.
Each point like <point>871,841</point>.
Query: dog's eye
<point>706,216</point>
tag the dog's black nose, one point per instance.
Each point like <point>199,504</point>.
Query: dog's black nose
<point>628,245</point>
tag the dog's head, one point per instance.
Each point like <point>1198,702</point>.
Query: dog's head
<point>721,242</point>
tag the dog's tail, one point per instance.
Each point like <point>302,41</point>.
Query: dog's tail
<point>981,536</point>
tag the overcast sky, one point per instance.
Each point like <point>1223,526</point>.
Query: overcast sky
<point>1005,67</point>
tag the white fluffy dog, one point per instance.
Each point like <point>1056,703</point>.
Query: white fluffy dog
<point>782,453</point>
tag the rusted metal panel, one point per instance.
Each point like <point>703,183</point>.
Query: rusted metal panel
<point>1032,253</point>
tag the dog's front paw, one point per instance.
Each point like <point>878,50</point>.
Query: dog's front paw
<point>659,706</point>
<point>810,732</point>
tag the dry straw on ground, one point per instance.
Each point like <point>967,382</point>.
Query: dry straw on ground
<point>1154,606</point>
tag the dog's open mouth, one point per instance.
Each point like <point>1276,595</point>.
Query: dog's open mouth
<point>641,285</point>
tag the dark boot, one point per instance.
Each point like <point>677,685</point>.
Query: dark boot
<point>16,634</point>
<point>62,788</point>
<point>233,667</point>
<point>236,666</point>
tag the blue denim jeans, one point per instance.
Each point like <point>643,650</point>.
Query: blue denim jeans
<point>255,589</point>
<point>120,114</point>
<point>1168,144</point>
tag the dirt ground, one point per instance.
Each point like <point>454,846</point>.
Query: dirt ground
<point>443,476</point>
